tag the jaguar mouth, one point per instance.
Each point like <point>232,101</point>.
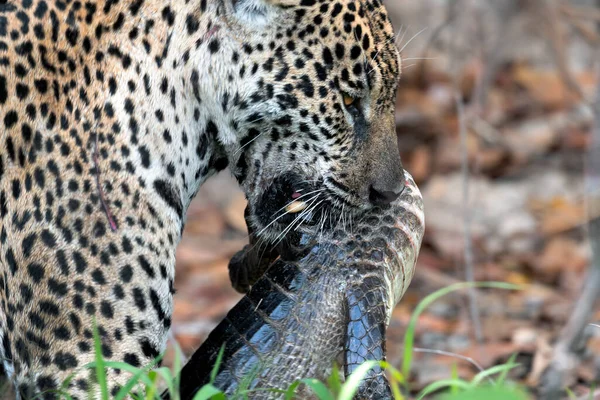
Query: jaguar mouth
<point>292,204</point>
<point>288,203</point>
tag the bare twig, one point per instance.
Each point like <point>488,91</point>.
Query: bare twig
<point>490,62</point>
<point>587,32</point>
<point>589,13</point>
<point>491,48</point>
<point>554,30</point>
<point>468,249</point>
<point>451,14</point>
<point>450,354</point>
<point>598,7</point>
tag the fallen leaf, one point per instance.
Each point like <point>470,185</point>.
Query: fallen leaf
<point>559,254</point>
<point>541,360</point>
<point>562,218</point>
<point>420,163</point>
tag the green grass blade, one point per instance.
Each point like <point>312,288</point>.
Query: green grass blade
<point>396,392</point>
<point>169,379</point>
<point>395,374</point>
<point>570,393</point>
<point>65,384</point>
<point>244,386</point>
<point>319,389</point>
<point>122,366</point>
<point>351,385</point>
<point>100,367</point>
<point>136,378</point>
<point>215,370</point>
<point>502,378</point>
<point>209,392</point>
<point>129,385</point>
<point>174,389</point>
<point>334,381</point>
<point>291,392</point>
<point>151,389</point>
<point>492,371</point>
<point>396,380</point>
<point>427,301</point>
<point>454,375</point>
<point>439,385</point>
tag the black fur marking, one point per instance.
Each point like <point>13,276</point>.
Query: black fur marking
<point>169,194</point>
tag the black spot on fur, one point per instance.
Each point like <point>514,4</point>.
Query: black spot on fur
<point>146,266</point>
<point>148,349</point>
<point>65,361</point>
<point>169,194</point>
<point>3,90</point>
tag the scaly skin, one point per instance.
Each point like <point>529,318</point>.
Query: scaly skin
<point>299,317</point>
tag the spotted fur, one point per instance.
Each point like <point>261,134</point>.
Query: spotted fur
<point>113,113</point>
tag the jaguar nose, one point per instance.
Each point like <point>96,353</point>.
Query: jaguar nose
<point>385,197</point>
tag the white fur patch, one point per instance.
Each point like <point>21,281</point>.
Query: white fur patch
<point>254,12</point>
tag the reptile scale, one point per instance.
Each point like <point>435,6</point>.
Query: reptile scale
<point>333,302</point>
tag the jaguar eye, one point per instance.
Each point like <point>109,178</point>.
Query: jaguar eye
<point>348,100</point>
<point>352,104</point>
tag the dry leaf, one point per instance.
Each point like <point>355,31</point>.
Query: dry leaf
<point>542,358</point>
<point>560,254</point>
<point>420,163</point>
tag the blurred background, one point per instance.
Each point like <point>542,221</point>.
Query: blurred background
<point>494,120</point>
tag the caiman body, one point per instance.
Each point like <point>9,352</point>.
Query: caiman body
<point>334,303</point>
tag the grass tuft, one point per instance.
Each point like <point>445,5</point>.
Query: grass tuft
<point>148,383</point>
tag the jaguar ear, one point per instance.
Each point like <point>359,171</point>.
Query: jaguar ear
<point>259,12</point>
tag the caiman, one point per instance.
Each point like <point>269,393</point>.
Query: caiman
<point>333,302</point>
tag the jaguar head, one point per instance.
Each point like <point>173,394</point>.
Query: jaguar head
<point>316,139</point>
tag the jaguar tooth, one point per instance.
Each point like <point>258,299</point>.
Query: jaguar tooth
<point>295,207</point>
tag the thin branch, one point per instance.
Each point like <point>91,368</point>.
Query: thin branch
<point>468,248</point>
<point>451,14</point>
<point>554,31</point>
<point>587,32</point>
<point>589,13</point>
<point>450,354</point>
<point>490,61</point>
<point>592,182</point>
